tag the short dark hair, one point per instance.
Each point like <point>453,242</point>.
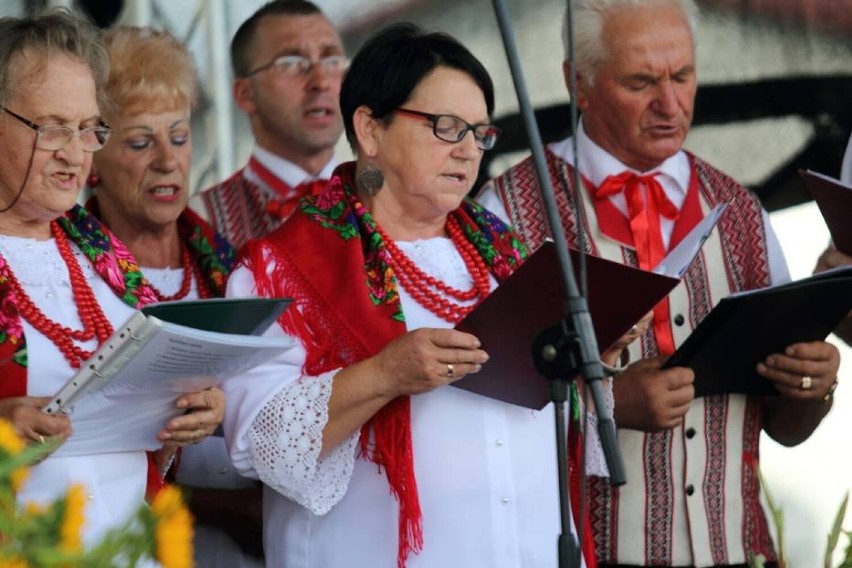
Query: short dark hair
<point>51,32</point>
<point>388,68</point>
<point>244,38</point>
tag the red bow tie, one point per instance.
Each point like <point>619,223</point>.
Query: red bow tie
<point>283,207</point>
<point>644,217</point>
<point>647,233</point>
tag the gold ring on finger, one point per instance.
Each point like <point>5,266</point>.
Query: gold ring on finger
<point>450,371</point>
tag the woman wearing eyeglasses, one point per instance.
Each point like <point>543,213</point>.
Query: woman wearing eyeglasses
<point>65,280</point>
<point>368,457</point>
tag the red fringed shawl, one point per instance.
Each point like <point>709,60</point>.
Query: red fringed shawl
<point>331,260</point>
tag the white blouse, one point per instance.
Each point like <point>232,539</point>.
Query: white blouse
<point>205,464</point>
<point>486,471</point>
<point>114,482</point>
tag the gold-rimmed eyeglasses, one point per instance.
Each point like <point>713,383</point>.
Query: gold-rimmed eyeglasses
<point>55,137</point>
<point>451,128</point>
<point>299,65</point>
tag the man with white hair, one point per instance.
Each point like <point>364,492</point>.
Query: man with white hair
<point>692,496</point>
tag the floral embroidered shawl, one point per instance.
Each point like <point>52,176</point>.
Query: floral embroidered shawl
<point>332,261</point>
<point>110,259</point>
<point>113,262</point>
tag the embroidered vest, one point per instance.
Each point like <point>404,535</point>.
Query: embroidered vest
<point>659,468</point>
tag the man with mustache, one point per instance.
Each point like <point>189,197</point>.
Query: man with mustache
<point>288,63</point>
<point>692,497</point>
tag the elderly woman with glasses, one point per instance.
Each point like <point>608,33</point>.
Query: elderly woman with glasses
<point>66,281</point>
<point>368,457</point>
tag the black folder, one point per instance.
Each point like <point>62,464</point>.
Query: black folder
<point>744,328</point>
<point>240,316</point>
<point>507,321</point>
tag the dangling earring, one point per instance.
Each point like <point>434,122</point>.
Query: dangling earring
<point>370,179</point>
<point>93,180</point>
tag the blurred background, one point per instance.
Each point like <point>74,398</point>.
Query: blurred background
<point>775,96</point>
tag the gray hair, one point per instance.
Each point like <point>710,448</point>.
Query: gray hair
<point>52,32</point>
<point>588,21</point>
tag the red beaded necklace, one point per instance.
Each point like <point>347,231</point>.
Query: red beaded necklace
<point>186,282</point>
<point>190,269</point>
<point>421,286</point>
<point>95,323</point>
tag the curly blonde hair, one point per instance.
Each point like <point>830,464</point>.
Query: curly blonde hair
<point>150,70</point>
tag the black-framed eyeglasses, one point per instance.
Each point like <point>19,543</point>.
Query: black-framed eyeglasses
<point>451,128</point>
<point>55,137</point>
<point>299,65</point>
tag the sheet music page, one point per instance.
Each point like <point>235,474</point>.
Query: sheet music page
<point>125,411</point>
<point>677,262</point>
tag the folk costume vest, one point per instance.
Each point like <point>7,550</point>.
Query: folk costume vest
<point>692,496</point>
<point>350,313</point>
<point>242,209</point>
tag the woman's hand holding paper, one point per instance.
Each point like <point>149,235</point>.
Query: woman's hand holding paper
<point>30,422</point>
<point>204,412</point>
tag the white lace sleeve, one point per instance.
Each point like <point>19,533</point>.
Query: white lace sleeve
<point>595,460</point>
<point>285,440</point>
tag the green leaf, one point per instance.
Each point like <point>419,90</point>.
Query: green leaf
<point>834,535</point>
<point>777,516</point>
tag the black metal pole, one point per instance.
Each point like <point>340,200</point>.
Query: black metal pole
<point>575,331</point>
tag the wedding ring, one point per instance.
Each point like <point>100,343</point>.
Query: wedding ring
<point>806,384</point>
<point>450,369</point>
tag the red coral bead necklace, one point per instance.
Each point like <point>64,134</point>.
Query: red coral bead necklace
<point>95,322</point>
<point>424,288</point>
<point>190,269</point>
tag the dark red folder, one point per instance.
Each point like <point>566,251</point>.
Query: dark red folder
<point>508,320</point>
<point>834,199</point>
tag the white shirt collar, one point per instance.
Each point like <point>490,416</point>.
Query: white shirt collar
<point>597,164</point>
<point>287,171</point>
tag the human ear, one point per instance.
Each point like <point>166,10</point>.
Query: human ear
<point>368,131</point>
<point>243,92</point>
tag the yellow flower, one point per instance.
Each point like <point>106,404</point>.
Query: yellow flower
<point>173,529</point>
<point>10,442</point>
<point>33,509</point>
<point>72,522</point>
<point>19,476</point>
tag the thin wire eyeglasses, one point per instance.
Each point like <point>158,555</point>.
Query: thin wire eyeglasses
<point>299,65</point>
<point>56,137</point>
<point>451,128</point>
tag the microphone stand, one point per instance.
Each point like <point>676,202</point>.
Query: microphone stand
<point>562,351</point>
